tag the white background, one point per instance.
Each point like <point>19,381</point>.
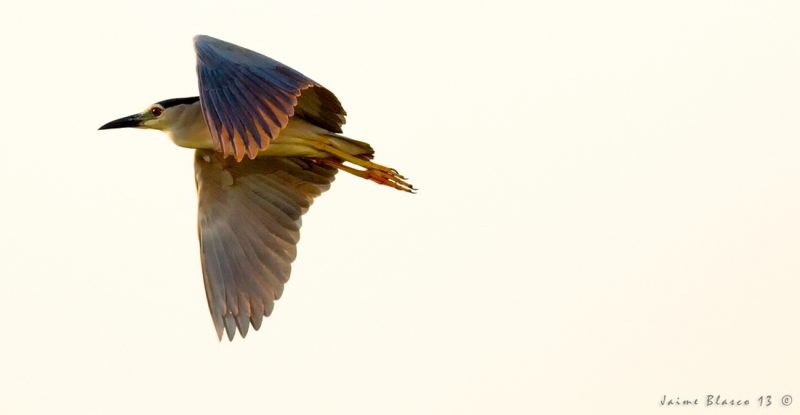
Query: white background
<point>608,211</point>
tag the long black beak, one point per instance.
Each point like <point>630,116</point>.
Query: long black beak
<point>124,122</point>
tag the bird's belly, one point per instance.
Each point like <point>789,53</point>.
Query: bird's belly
<point>297,139</point>
<point>285,146</point>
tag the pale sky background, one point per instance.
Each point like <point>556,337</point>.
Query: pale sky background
<point>610,211</point>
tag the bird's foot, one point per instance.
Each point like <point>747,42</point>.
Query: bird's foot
<point>391,179</point>
<point>382,175</point>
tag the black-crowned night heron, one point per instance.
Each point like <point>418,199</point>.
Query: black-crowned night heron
<point>250,208</point>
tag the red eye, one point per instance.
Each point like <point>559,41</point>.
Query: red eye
<point>156,111</point>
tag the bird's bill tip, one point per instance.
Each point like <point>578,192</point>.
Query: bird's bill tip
<point>124,122</point>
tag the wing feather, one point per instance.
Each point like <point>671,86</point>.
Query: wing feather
<point>247,98</point>
<point>249,224</point>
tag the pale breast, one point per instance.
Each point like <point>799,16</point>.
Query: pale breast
<point>188,129</point>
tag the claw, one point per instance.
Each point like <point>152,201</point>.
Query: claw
<point>383,175</point>
<point>390,180</point>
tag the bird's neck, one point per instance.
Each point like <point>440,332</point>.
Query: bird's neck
<point>188,127</point>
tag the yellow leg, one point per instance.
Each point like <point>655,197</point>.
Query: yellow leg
<point>353,159</point>
<point>390,179</point>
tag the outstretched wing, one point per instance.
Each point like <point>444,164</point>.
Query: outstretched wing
<point>247,98</point>
<point>249,225</point>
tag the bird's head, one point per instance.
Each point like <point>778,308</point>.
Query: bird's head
<point>163,115</point>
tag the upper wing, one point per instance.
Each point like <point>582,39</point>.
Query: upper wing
<point>247,98</point>
<point>249,225</point>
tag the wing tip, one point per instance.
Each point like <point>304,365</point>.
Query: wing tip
<point>218,326</point>
<point>228,325</point>
<point>201,38</point>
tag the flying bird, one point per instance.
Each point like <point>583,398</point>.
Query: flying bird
<point>267,141</point>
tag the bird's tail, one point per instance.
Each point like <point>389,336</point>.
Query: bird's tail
<point>352,146</point>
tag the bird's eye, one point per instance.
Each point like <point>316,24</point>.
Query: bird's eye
<point>156,111</point>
